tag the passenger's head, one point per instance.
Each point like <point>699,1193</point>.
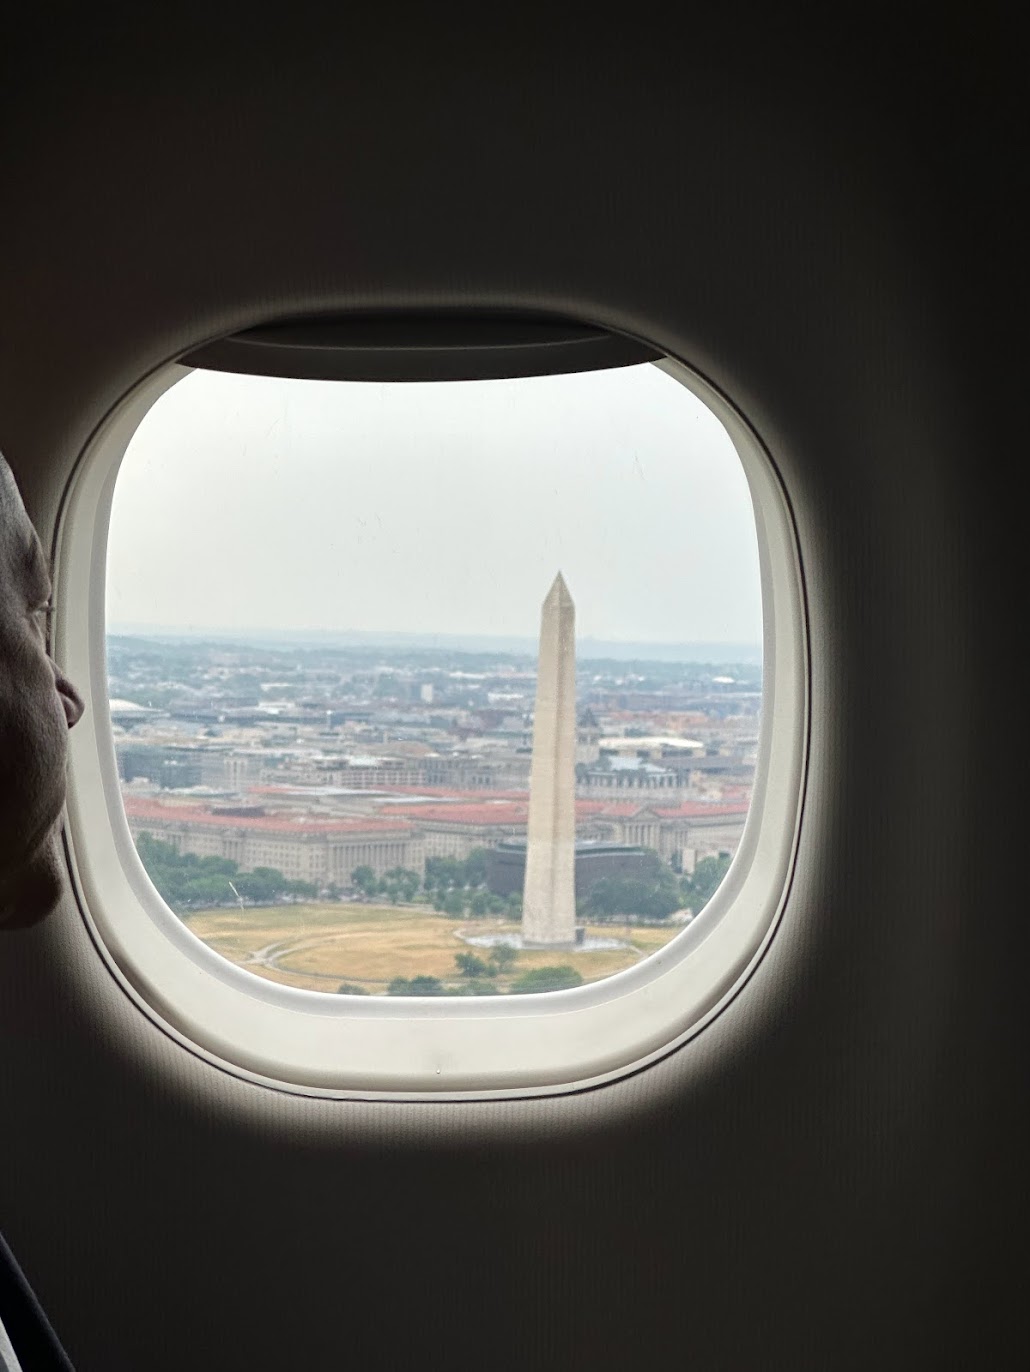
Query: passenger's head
<point>37,708</point>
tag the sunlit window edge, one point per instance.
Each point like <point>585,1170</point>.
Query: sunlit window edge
<point>405,1047</point>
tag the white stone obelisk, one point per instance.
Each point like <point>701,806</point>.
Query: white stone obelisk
<point>549,892</point>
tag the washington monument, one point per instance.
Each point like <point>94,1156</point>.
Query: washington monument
<point>549,894</point>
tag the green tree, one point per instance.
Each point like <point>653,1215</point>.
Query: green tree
<point>187,882</point>
<point>454,904</point>
<point>469,965</point>
<point>364,879</point>
<point>417,986</point>
<point>503,956</point>
<point>399,884</point>
<point>556,978</point>
<point>698,888</point>
<point>443,874</point>
<point>652,892</point>
<point>478,986</point>
<point>218,866</point>
<point>350,988</point>
<point>475,868</point>
<point>426,986</point>
<point>264,885</point>
<point>450,873</point>
<point>204,890</point>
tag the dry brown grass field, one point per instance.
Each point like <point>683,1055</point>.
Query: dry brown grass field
<point>316,947</point>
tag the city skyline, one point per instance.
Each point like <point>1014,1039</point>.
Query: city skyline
<point>499,795</point>
<point>587,649</point>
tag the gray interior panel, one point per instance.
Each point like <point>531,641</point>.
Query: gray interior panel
<point>830,1175</point>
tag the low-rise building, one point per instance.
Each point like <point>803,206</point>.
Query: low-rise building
<point>303,849</point>
<point>595,860</point>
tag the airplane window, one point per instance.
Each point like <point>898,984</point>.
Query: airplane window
<point>442,737</point>
<point>434,689</point>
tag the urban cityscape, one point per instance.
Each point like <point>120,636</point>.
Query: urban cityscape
<point>355,817</point>
<point>429,774</point>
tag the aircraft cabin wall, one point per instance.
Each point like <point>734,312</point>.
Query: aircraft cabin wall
<point>832,1173</point>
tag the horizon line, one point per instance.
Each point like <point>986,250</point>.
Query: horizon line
<point>135,629</point>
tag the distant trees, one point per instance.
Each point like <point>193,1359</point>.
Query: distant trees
<point>654,893</point>
<point>187,882</point>
<point>396,885</point>
<point>474,986</point>
<point>350,988</point>
<point>475,868</point>
<point>364,879</point>
<point>416,986</point>
<point>453,904</point>
<point>470,966</point>
<point>559,977</point>
<point>457,887</point>
<point>478,976</point>
<point>400,884</point>
<point>504,956</point>
<point>444,873</point>
<point>698,888</point>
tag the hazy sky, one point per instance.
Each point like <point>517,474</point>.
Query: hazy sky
<point>245,502</point>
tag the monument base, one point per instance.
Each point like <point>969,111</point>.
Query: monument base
<point>589,941</point>
<point>576,942</point>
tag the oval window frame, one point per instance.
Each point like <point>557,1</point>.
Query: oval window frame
<point>406,1048</point>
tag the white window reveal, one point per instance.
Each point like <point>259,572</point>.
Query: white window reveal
<point>470,705</point>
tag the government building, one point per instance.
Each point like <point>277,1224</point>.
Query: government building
<point>303,849</point>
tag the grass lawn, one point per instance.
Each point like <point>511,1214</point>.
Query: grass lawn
<point>316,947</point>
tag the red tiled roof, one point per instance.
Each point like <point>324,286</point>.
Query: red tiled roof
<point>626,809</point>
<point>444,792</point>
<point>441,792</point>
<point>697,809</point>
<point>139,809</point>
<point>503,812</point>
<point>490,812</point>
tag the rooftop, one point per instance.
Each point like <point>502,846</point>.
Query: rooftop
<point>141,809</point>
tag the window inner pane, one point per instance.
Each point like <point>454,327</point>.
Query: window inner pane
<point>434,688</point>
